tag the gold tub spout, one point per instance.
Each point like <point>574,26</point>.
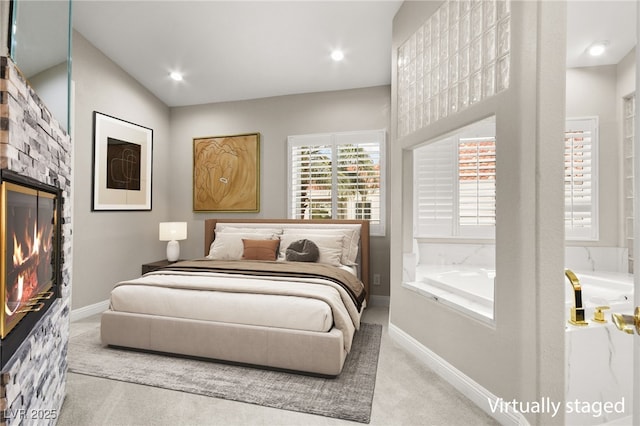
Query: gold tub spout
<point>577,311</point>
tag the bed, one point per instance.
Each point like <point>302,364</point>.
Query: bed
<point>238,304</point>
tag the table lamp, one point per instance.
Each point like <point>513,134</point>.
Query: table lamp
<point>173,232</point>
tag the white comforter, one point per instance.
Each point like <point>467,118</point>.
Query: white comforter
<point>346,317</point>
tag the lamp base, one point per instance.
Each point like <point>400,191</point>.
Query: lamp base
<point>173,251</point>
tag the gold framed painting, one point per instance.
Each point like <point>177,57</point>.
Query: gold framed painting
<point>226,173</point>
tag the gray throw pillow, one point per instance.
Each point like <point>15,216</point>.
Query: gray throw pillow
<point>302,251</point>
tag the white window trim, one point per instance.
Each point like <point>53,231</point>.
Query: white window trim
<point>332,139</point>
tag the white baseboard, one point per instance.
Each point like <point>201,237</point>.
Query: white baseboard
<point>464,384</point>
<point>379,300</point>
<point>87,311</point>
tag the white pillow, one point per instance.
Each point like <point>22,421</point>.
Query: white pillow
<point>350,242</point>
<point>231,229</point>
<point>228,246</point>
<point>329,246</point>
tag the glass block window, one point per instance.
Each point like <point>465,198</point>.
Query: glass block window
<point>629,109</point>
<point>458,57</point>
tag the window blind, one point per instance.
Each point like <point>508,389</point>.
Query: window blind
<point>477,182</point>
<point>579,177</point>
<point>434,189</point>
<point>311,181</point>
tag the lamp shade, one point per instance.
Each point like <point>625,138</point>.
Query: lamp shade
<point>173,231</point>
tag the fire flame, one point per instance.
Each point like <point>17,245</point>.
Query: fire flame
<point>26,284</point>
<point>32,246</point>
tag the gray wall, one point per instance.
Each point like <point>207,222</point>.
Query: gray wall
<point>111,246</point>
<point>599,91</point>
<point>52,87</point>
<point>591,91</point>
<point>4,35</point>
<point>522,355</point>
<point>275,119</point>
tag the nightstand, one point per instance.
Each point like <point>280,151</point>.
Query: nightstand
<point>152,266</point>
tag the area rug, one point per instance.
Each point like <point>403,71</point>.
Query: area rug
<point>348,397</point>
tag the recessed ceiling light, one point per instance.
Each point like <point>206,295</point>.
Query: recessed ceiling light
<point>597,48</point>
<point>175,75</point>
<point>337,55</point>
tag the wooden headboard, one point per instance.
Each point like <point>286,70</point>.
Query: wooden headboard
<point>210,226</point>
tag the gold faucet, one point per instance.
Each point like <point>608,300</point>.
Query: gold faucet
<point>577,311</point>
<point>626,323</point>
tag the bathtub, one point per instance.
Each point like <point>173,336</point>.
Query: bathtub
<point>598,357</point>
<point>474,286</point>
<point>468,289</point>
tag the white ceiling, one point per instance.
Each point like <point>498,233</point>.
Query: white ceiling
<point>592,21</point>
<point>233,50</point>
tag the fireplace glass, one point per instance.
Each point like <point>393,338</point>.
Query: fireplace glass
<point>29,263</point>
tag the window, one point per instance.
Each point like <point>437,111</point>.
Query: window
<point>629,109</point>
<point>455,184</point>
<point>338,176</point>
<point>580,191</point>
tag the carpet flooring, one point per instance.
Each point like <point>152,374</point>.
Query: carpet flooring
<point>348,397</point>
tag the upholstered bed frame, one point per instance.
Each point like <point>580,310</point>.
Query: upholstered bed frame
<point>312,352</point>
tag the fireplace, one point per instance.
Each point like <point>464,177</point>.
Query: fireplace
<point>30,231</point>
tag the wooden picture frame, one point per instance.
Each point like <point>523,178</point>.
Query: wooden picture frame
<point>226,173</point>
<point>122,164</point>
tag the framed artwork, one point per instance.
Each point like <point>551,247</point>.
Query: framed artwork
<point>122,163</point>
<point>226,173</point>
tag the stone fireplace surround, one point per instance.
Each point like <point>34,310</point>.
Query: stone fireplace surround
<point>32,143</point>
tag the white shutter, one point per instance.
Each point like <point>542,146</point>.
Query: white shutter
<point>580,174</point>
<point>455,184</point>
<point>477,186</point>
<point>434,188</point>
<point>310,180</point>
